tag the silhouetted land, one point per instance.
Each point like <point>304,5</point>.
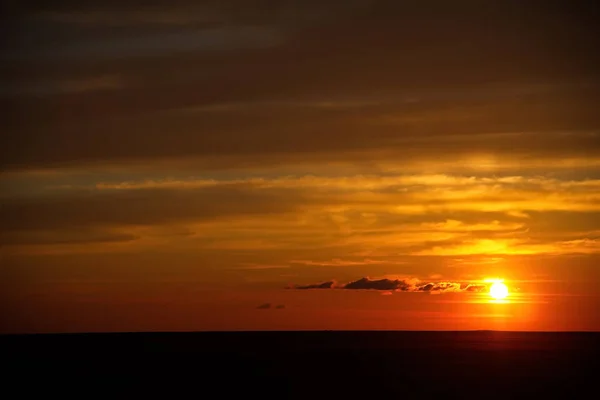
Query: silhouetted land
<point>304,364</point>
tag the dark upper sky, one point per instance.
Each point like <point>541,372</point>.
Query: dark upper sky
<point>99,82</point>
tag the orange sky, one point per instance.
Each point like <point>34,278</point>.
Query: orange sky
<point>204,167</point>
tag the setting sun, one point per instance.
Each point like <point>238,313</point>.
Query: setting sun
<point>498,290</point>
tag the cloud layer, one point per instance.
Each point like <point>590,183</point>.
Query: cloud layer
<point>301,133</point>
<point>402,214</point>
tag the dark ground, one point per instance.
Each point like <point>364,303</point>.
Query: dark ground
<point>304,365</point>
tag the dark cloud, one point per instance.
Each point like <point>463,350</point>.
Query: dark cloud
<point>473,288</point>
<point>79,217</point>
<point>428,287</point>
<point>324,285</point>
<point>379,284</point>
<point>268,306</point>
<point>440,287</point>
<point>410,285</point>
<point>82,210</point>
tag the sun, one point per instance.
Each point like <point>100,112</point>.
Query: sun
<point>498,290</point>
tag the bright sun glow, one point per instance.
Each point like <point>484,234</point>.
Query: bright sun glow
<point>498,290</point>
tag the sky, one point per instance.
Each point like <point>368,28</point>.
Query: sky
<point>274,165</point>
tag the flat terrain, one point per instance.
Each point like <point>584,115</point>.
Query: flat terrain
<point>216,365</point>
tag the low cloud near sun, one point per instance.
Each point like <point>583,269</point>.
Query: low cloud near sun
<point>399,285</point>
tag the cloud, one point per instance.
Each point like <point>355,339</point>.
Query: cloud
<point>379,284</point>
<point>388,183</point>
<point>269,306</point>
<point>473,287</point>
<point>584,245</point>
<point>401,285</point>
<point>81,209</point>
<point>324,285</point>
<point>418,192</point>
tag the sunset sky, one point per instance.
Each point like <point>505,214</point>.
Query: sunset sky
<point>300,164</point>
